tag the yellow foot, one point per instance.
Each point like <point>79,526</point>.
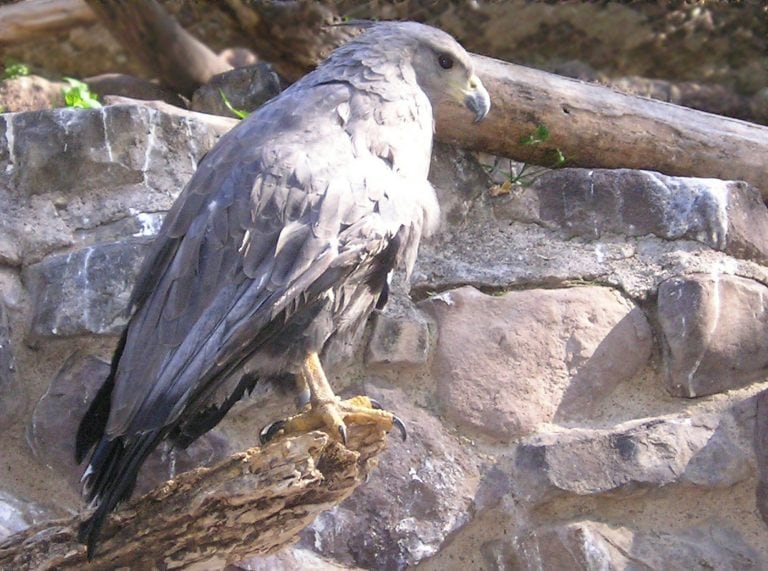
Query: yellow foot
<point>333,416</point>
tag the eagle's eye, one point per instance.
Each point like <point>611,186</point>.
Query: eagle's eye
<point>445,61</point>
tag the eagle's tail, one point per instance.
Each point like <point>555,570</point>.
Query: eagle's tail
<point>110,479</point>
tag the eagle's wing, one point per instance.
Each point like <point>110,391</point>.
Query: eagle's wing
<point>260,231</point>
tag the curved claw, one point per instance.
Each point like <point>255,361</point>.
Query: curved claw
<point>375,404</point>
<point>397,422</point>
<point>270,431</point>
<point>343,434</point>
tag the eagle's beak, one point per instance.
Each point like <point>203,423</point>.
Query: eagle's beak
<point>476,98</point>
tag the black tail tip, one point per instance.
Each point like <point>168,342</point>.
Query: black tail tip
<point>88,534</point>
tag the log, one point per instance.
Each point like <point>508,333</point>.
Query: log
<point>253,503</point>
<point>27,20</point>
<point>598,127</point>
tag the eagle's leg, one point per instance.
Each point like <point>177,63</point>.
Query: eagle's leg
<point>326,411</point>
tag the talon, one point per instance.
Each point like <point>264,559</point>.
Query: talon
<point>303,398</point>
<point>270,431</point>
<point>396,421</point>
<point>326,412</point>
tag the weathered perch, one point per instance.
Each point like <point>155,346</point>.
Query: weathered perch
<point>254,503</point>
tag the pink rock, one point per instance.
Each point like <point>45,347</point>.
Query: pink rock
<point>400,341</point>
<point>506,364</point>
<point>713,333</point>
<point>596,545</point>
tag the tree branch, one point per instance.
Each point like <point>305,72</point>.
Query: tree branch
<point>254,503</point>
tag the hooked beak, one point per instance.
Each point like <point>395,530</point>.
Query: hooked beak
<point>476,98</point>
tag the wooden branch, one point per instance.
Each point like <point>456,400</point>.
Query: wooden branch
<point>153,36</point>
<point>254,503</point>
<point>29,19</point>
<point>596,126</point>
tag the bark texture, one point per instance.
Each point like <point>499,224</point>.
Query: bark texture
<point>254,503</point>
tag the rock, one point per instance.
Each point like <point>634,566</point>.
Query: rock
<point>728,457</point>
<point>398,341</point>
<point>30,93</point>
<point>459,180</point>
<point>761,451</point>
<point>246,89</point>
<point>418,496</point>
<point>58,413</point>
<point>17,514</point>
<point>705,451</point>
<point>712,329</point>
<point>10,402</point>
<point>70,171</point>
<point>726,216</point>
<point>86,291</point>
<point>533,355</point>
<point>9,249</point>
<point>131,86</point>
<point>596,545</point>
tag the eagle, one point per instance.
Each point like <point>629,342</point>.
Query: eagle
<point>279,247</point>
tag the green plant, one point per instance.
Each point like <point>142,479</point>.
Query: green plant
<point>523,174</point>
<point>538,135</point>
<point>14,69</point>
<point>78,94</point>
<point>238,112</point>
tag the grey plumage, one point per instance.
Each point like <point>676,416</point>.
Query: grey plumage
<point>280,243</point>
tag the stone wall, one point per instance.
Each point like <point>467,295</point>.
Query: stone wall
<point>580,362</point>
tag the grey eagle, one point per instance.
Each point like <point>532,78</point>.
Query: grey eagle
<point>279,246</point>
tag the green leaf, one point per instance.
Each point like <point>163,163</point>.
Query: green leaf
<point>542,133</point>
<point>238,112</point>
<point>79,95</point>
<point>14,70</point>
<point>558,158</point>
<point>538,135</point>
